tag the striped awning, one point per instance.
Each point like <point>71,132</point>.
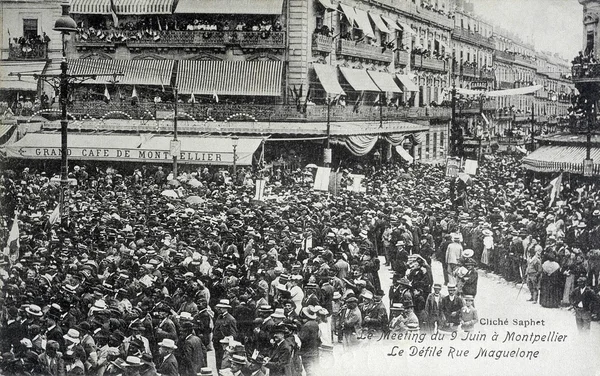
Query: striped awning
<point>349,13</point>
<point>327,4</point>
<point>379,24</point>
<point>385,81</point>
<point>391,23</point>
<point>123,7</point>
<point>135,72</point>
<point>557,158</point>
<point>229,7</point>
<point>408,84</point>
<point>230,77</point>
<point>359,79</point>
<point>90,7</point>
<point>362,20</point>
<point>327,75</point>
<point>406,27</point>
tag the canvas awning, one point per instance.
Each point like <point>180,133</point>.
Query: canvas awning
<point>90,7</point>
<point>349,13</point>
<point>391,23</point>
<point>379,24</point>
<point>362,20</point>
<point>407,83</point>
<point>122,7</point>
<point>135,72</point>
<point>327,75</point>
<point>359,79</point>
<point>135,148</point>
<point>327,4</point>
<point>18,75</point>
<point>230,7</point>
<point>558,158</point>
<point>262,78</point>
<point>385,81</point>
<point>404,154</point>
<point>406,27</point>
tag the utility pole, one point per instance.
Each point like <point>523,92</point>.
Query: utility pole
<point>327,151</point>
<point>175,149</point>
<point>451,138</point>
<point>532,127</point>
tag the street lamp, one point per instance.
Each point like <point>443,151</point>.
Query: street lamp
<point>64,25</point>
<point>234,143</point>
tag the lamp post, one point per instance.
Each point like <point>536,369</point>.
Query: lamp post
<point>234,143</point>
<point>65,25</point>
<point>176,146</point>
<point>532,128</point>
<point>327,151</point>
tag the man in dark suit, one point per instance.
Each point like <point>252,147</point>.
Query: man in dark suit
<point>451,306</point>
<point>51,361</point>
<point>167,364</point>
<point>433,310</point>
<point>191,355</point>
<point>280,357</point>
<point>581,298</point>
<point>225,326</point>
<point>12,332</point>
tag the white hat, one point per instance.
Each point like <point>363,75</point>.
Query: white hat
<point>168,343</point>
<point>223,303</point>
<point>34,310</point>
<point>72,336</point>
<point>278,314</point>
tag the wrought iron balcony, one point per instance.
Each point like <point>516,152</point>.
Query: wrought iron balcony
<point>37,51</point>
<point>505,85</point>
<point>469,71</point>
<point>471,37</point>
<point>525,61</point>
<point>422,62</point>
<point>402,58</point>
<point>364,51</point>
<point>586,72</point>
<point>487,74</point>
<point>504,56</point>
<point>186,39</point>
<point>217,112</point>
<point>322,43</point>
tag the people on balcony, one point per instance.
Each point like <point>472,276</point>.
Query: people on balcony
<point>324,30</point>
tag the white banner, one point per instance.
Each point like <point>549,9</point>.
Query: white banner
<point>322,179</point>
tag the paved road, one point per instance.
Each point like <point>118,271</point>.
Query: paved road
<point>570,354</point>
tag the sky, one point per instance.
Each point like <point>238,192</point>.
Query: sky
<point>552,25</point>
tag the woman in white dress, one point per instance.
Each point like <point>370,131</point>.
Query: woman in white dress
<point>488,246</point>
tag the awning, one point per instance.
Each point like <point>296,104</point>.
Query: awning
<point>327,75</point>
<point>408,84</point>
<point>90,7</point>
<point>518,91</point>
<point>391,23</point>
<point>135,72</point>
<point>362,20</point>
<point>230,77</point>
<point>404,154</point>
<point>349,13</point>
<point>327,4</point>
<point>557,158</point>
<point>385,81</point>
<point>463,91</point>
<point>25,82</point>
<point>379,24</point>
<point>126,7</point>
<point>230,7</point>
<point>133,148</point>
<point>4,129</point>
<point>407,28</point>
<point>359,79</point>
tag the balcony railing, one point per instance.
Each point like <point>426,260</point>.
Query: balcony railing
<point>265,113</point>
<point>322,43</point>
<point>506,85</point>
<point>402,58</point>
<point>525,61</point>
<point>420,61</point>
<point>187,39</point>
<point>364,51</point>
<point>28,52</point>
<point>506,56</point>
<point>471,37</point>
<point>487,74</point>
<point>469,71</point>
<point>586,72</point>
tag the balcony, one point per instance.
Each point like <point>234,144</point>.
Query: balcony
<point>469,71</point>
<point>422,62</point>
<point>504,56</point>
<point>199,113</point>
<point>525,61</point>
<point>363,51</point>
<point>503,85</point>
<point>487,74</point>
<point>322,43</point>
<point>185,39</point>
<point>471,37</point>
<point>402,58</point>
<point>410,9</point>
<point>28,52</point>
<point>586,72</point>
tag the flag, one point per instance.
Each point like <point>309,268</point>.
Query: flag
<point>215,97</point>
<point>13,241</point>
<point>260,189</point>
<point>358,101</point>
<point>192,99</point>
<point>106,94</point>
<point>158,22</point>
<point>8,30</point>
<point>134,93</point>
<point>322,179</point>
<point>55,215</point>
<point>555,188</point>
<point>113,13</point>
<point>377,101</point>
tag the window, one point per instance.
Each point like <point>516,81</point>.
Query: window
<point>434,145</point>
<point>427,145</point>
<point>30,28</point>
<point>442,139</point>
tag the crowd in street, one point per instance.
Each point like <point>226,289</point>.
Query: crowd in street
<point>145,282</point>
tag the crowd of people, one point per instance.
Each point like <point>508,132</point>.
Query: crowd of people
<point>144,282</point>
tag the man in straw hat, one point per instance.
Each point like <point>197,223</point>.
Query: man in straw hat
<point>309,337</point>
<point>225,325</point>
<point>582,299</point>
<point>191,355</point>
<point>167,364</point>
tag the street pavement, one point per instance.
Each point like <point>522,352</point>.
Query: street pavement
<point>569,353</point>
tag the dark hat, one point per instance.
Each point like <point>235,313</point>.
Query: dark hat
<point>352,300</point>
